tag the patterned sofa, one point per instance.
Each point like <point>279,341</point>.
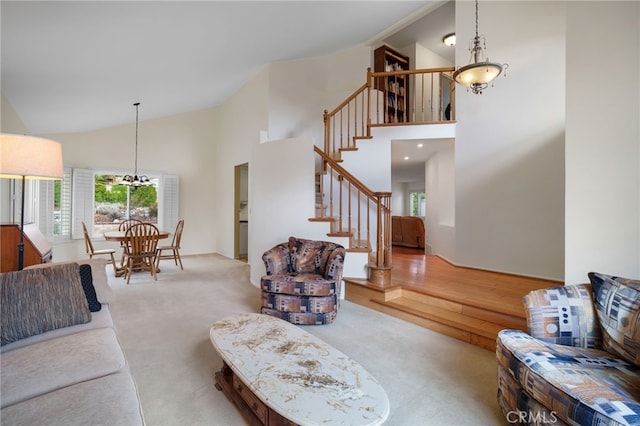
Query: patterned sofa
<point>303,281</point>
<point>580,362</point>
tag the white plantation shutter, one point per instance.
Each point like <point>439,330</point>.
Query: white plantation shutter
<point>65,205</point>
<point>44,218</point>
<point>82,201</point>
<point>168,202</point>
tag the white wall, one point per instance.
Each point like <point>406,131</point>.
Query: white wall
<point>510,142</point>
<point>282,197</point>
<point>240,121</point>
<point>603,140</point>
<point>301,90</point>
<point>440,193</point>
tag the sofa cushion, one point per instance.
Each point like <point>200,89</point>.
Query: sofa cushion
<point>289,303</point>
<point>109,400</point>
<point>299,284</point>
<point>581,386</point>
<point>515,403</point>
<point>100,319</point>
<point>302,318</point>
<point>38,300</point>
<point>89,291</point>
<point>563,315</point>
<point>54,364</point>
<point>617,302</point>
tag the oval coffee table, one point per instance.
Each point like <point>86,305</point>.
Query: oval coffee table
<point>277,373</point>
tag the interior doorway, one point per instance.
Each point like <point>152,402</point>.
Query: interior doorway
<point>241,211</point>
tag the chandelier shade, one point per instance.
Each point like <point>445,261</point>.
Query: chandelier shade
<point>135,179</point>
<point>479,72</point>
<point>477,76</point>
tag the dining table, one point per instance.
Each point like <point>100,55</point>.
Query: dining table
<point>121,237</point>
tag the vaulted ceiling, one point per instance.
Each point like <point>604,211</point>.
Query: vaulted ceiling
<point>70,66</point>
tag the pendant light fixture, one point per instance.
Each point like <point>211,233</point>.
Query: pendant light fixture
<point>136,180</point>
<point>480,72</point>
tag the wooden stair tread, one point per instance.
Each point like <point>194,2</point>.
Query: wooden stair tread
<point>481,299</point>
<point>445,316</point>
<point>322,219</point>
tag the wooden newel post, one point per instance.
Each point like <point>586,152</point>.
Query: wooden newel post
<point>383,246</point>
<point>327,128</point>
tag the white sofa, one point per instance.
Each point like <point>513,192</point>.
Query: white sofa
<point>69,375</point>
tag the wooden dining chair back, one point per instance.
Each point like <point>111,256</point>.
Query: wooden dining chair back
<point>126,224</point>
<point>141,242</point>
<point>91,251</point>
<point>174,248</point>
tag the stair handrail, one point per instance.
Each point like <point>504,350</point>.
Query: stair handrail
<point>381,201</point>
<point>365,129</point>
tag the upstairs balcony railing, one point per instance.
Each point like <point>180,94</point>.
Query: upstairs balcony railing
<point>396,98</point>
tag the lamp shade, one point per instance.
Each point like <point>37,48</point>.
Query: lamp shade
<point>30,157</point>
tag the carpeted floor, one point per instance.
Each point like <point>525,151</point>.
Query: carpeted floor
<point>163,326</point>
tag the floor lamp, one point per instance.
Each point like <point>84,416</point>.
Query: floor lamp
<point>28,157</point>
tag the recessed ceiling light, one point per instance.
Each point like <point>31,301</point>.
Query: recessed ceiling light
<point>420,145</point>
<point>406,158</point>
<point>449,39</point>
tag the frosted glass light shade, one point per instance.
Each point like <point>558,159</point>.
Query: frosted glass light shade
<point>30,157</point>
<point>479,73</point>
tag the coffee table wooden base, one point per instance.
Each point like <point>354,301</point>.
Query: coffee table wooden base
<point>254,410</point>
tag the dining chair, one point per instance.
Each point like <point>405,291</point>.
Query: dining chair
<point>126,224</point>
<point>141,242</point>
<point>174,247</point>
<point>88,245</point>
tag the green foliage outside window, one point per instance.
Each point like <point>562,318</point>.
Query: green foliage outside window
<point>111,201</point>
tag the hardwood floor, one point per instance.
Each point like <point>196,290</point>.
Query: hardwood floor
<point>469,304</point>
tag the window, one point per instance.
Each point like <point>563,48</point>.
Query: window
<point>418,203</point>
<point>59,207</point>
<point>115,203</point>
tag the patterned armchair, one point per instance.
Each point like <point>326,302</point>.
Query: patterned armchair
<point>303,281</point>
<point>580,361</point>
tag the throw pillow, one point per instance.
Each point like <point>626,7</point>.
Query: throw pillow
<point>563,315</point>
<point>100,281</point>
<point>86,278</point>
<point>306,256</point>
<point>617,302</point>
<point>35,301</point>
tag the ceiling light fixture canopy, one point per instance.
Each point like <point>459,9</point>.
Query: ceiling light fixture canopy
<point>480,72</point>
<point>449,39</point>
<point>136,180</point>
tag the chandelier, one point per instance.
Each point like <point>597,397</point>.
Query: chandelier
<point>480,72</point>
<point>136,180</point>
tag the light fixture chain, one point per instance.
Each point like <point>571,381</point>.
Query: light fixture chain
<point>476,18</point>
<point>137,104</point>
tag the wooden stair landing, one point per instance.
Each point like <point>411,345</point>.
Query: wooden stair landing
<point>468,304</point>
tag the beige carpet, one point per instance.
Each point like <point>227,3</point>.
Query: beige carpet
<point>164,326</point>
